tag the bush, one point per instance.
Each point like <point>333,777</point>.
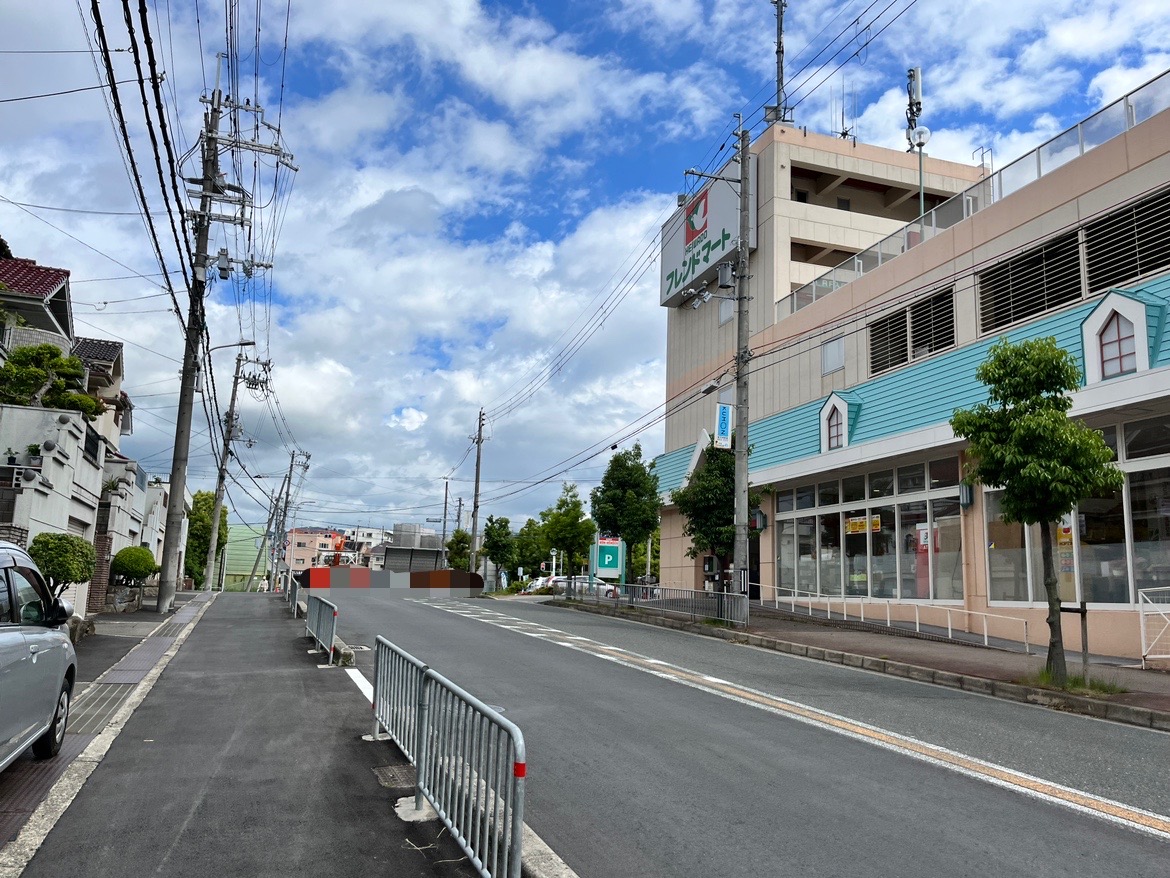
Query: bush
<point>63,558</point>
<point>133,565</point>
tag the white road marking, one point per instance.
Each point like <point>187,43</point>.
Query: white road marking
<point>1115,812</point>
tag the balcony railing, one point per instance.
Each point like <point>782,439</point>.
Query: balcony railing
<point>1117,118</point>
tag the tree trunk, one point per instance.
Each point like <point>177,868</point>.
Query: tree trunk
<point>1055,664</point>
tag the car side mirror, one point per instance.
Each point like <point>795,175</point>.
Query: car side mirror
<point>62,611</point>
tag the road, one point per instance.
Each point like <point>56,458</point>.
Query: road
<point>653,752</point>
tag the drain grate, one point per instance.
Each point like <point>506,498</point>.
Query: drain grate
<point>395,777</point>
<point>360,648</point>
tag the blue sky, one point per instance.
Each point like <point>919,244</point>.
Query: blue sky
<point>479,185</point>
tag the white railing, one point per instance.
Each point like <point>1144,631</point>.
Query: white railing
<point>1117,118</point>
<point>1154,613</point>
<point>810,601</point>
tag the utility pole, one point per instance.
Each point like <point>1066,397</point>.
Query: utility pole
<point>172,550</point>
<point>263,542</point>
<point>742,358</point>
<point>459,513</point>
<point>213,188</point>
<point>472,560</point>
<point>279,532</point>
<point>229,428</point>
<point>443,539</point>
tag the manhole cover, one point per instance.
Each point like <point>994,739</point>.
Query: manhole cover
<point>395,776</point>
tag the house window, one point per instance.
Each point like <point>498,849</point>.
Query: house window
<point>1118,347</point>
<point>801,196</point>
<point>842,204</point>
<point>836,430</point>
<point>832,355</point>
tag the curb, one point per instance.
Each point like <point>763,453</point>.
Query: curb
<point>1128,714</point>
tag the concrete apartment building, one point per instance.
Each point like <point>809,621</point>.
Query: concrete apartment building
<point>60,472</point>
<point>855,373</point>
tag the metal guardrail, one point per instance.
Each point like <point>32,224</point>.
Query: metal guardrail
<point>321,623</point>
<point>470,762</point>
<point>398,686</point>
<point>1154,611</point>
<point>471,768</point>
<point>665,600</point>
<point>809,601</point>
<point>290,594</point>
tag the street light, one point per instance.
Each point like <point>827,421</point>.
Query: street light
<point>920,137</point>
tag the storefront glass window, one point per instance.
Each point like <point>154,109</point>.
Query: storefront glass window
<point>786,555</point>
<point>828,494</point>
<point>806,497</point>
<point>883,565</point>
<point>806,555</point>
<point>1110,436</point>
<point>1062,560</point>
<point>784,502</point>
<point>947,549</point>
<point>853,489</point>
<point>912,546</point>
<point>856,552</point>
<point>944,473</point>
<point>830,553</point>
<point>911,479</point>
<point>1101,524</point>
<point>1006,555</point>
<point>881,484</point>
<point>1149,495</point>
<point>1147,438</point>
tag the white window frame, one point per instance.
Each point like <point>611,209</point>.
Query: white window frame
<point>833,355</point>
<point>1133,311</point>
<point>834,403</point>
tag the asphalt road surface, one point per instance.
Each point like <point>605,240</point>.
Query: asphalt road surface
<point>654,752</point>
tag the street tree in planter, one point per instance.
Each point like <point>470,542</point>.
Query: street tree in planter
<point>531,547</point>
<point>65,559</point>
<point>1021,440</point>
<point>132,566</point>
<point>707,502</point>
<point>626,503</point>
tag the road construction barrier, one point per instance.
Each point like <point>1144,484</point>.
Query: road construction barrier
<point>321,623</point>
<point>470,762</point>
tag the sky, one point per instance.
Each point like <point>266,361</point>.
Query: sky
<point>472,216</point>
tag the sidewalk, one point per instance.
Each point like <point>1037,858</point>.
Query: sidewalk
<point>988,671</point>
<point>231,753</point>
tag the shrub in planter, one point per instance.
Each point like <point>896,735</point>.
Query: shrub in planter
<point>133,565</point>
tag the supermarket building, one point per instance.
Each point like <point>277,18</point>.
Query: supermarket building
<point>856,369</point>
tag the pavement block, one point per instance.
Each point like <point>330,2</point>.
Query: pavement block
<point>1012,691</point>
<point>944,678</point>
<point>978,684</point>
<point>853,661</point>
<point>898,669</point>
<point>834,655</point>
<point>1160,720</point>
<point>922,675</point>
<point>873,664</point>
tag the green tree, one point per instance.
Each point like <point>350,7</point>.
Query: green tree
<point>459,549</point>
<point>38,375</point>
<point>133,565</point>
<point>1022,441</point>
<point>65,559</point>
<point>626,502</point>
<point>199,534</point>
<point>499,544</point>
<point>708,504</point>
<point>567,528</point>
<point>531,547</point>
<point>5,253</point>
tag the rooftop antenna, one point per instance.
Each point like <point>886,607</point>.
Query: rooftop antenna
<point>846,130</point>
<point>914,104</point>
<point>781,112</point>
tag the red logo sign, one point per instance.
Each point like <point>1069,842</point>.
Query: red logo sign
<point>696,221</point>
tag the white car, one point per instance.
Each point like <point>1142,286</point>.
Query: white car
<point>38,664</point>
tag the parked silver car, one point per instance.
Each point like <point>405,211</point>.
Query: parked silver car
<point>37,662</point>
